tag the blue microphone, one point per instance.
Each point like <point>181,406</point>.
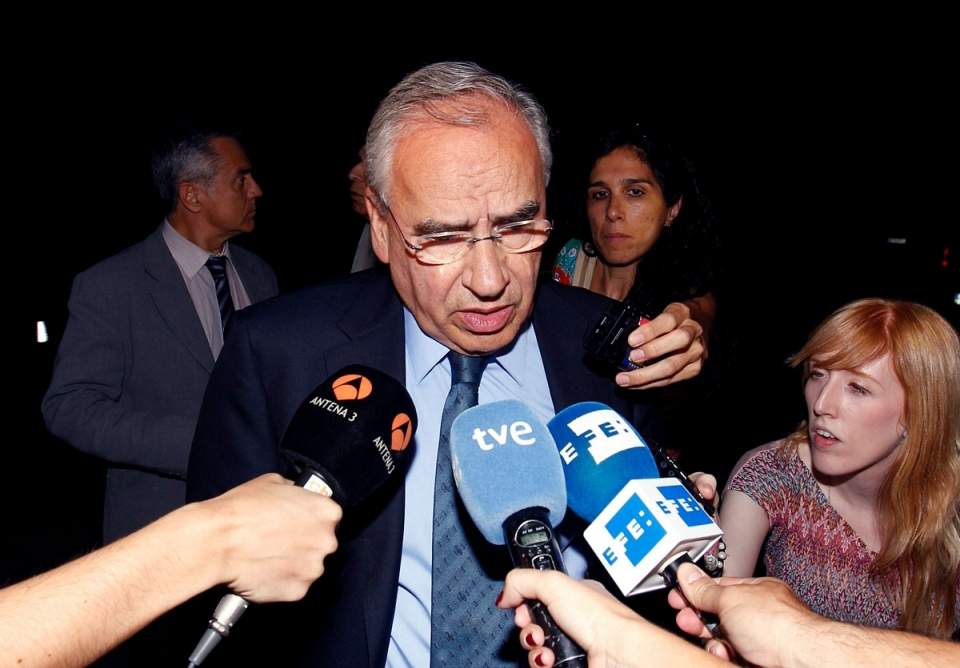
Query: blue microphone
<point>511,482</point>
<point>601,452</point>
<point>642,526</point>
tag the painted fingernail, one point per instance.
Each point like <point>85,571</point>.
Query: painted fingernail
<point>538,659</point>
<point>499,598</point>
<point>529,640</point>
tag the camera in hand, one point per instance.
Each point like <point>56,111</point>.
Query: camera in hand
<point>607,340</point>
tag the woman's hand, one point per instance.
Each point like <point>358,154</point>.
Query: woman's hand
<point>707,486</point>
<point>610,633</point>
<point>672,346</point>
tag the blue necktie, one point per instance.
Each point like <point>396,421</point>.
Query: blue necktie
<point>467,629</point>
<point>217,264</point>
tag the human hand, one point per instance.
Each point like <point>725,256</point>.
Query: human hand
<point>761,618</point>
<point>272,537</point>
<point>586,612</point>
<point>673,346</point>
<point>706,485</point>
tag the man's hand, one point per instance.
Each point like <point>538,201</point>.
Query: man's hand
<point>761,617</point>
<point>673,346</point>
<point>273,535</point>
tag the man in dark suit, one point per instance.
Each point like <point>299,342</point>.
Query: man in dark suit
<point>458,163</point>
<point>145,327</point>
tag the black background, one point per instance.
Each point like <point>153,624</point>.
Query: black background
<point>815,150</point>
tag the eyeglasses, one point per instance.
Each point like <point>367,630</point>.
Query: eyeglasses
<point>448,247</point>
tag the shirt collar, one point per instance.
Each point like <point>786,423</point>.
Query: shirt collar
<point>426,353</point>
<point>189,256</point>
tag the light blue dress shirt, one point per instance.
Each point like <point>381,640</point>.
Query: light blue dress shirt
<point>513,373</point>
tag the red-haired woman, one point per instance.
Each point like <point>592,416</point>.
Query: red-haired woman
<point>859,508</point>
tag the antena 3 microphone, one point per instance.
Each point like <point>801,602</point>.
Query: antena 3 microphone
<point>511,482</point>
<point>641,524</point>
<point>347,438</point>
<point>351,433</point>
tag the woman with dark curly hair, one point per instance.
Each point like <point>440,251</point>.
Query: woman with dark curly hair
<point>652,241</point>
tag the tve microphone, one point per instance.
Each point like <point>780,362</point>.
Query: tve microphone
<point>347,438</point>
<point>640,524</point>
<point>511,482</point>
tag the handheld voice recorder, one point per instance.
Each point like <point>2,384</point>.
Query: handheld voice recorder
<point>532,544</point>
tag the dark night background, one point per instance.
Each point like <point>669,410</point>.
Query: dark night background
<point>813,158</point>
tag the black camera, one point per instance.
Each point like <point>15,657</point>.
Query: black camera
<point>607,340</point>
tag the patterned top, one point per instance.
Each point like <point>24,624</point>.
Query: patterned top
<point>573,265</point>
<point>811,547</point>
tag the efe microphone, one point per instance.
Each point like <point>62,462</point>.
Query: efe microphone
<point>511,482</point>
<point>347,438</point>
<point>640,523</point>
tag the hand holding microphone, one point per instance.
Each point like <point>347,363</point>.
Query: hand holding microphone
<point>271,538</point>
<point>511,482</point>
<point>347,438</point>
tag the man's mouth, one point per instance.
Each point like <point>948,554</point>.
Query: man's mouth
<point>486,321</point>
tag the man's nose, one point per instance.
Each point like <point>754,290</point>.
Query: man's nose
<point>253,191</point>
<point>484,270</point>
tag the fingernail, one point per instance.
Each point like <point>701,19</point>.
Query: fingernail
<point>538,659</point>
<point>529,640</point>
<point>622,379</point>
<point>499,598</point>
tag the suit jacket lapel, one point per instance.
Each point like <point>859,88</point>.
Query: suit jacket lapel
<point>559,352</point>
<point>172,300</point>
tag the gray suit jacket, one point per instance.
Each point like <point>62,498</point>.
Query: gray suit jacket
<point>130,375</point>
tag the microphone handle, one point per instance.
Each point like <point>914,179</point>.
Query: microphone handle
<point>231,606</point>
<point>532,544</point>
<point>710,620</point>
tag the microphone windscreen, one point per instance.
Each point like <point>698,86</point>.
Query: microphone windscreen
<point>601,452</point>
<point>505,461</point>
<point>354,429</point>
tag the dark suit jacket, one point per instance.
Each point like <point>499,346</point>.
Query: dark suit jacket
<point>277,353</point>
<point>130,374</point>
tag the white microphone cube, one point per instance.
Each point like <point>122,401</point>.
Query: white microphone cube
<point>647,526</point>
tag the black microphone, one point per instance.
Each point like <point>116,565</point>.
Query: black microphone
<point>347,438</point>
<point>510,479</point>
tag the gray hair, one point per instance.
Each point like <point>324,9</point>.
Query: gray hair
<point>189,158</point>
<point>453,93</point>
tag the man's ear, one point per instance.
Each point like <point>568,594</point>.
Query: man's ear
<point>379,229</point>
<point>188,195</point>
<point>673,212</point>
